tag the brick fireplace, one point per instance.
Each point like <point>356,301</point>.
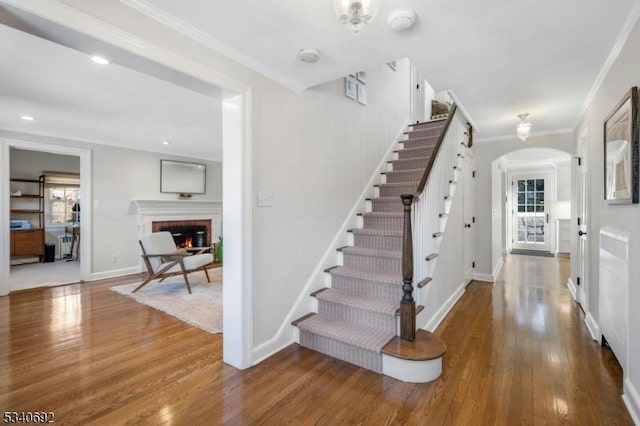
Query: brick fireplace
<point>153,215</point>
<point>186,233</point>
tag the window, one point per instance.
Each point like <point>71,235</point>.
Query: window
<point>65,207</point>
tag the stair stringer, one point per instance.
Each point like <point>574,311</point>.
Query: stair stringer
<point>287,333</point>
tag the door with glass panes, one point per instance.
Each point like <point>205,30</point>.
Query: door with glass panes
<point>530,212</point>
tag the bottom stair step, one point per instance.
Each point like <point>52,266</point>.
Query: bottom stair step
<point>425,347</point>
<point>357,344</point>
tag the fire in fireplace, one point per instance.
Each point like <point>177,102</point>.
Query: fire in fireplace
<point>188,236</point>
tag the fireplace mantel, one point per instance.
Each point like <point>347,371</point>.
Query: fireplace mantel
<point>173,207</point>
<point>149,211</point>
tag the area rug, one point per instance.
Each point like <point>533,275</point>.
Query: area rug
<point>202,308</point>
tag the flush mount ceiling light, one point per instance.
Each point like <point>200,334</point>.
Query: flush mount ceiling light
<point>401,19</point>
<point>309,55</point>
<point>27,118</point>
<point>524,128</point>
<point>355,14</point>
<point>166,143</point>
<point>100,60</point>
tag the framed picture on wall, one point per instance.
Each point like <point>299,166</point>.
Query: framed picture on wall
<point>621,153</point>
<point>350,87</point>
<point>362,93</point>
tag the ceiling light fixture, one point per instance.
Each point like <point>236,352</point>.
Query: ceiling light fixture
<point>309,55</point>
<point>524,128</point>
<point>100,60</point>
<point>166,143</point>
<point>27,118</point>
<point>355,14</point>
<point>401,19</point>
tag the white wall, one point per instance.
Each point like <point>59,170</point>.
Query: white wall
<point>624,73</point>
<point>315,152</point>
<point>488,208</point>
<point>119,176</point>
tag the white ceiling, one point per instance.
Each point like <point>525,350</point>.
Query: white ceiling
<point>71,97</point>
<point>499,57</point>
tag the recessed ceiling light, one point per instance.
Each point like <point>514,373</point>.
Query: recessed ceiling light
<point>27,118</point>
<point>166,143</point>
<point>100,60</point>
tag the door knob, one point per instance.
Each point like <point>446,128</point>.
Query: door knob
<point>467,225</point>
<point>581,233</point>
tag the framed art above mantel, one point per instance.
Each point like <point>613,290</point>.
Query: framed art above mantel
<point>621,151</point>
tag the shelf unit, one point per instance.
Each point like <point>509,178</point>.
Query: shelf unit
<point>28,242</point>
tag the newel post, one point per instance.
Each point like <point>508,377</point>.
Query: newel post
<point>407,305</point>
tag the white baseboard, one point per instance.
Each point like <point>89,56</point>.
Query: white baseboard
<point>302,305</point>
<point>593,327</point>
<point>631,399</point>
<point>490,278</point>
<point>114,273</point>
<point>483,277</point>
<point>446,307</point>
<point>497,269</point>
<point>572,289</point>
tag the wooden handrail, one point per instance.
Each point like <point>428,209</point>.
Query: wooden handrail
<point>407,304</point>
<point>432,159</point>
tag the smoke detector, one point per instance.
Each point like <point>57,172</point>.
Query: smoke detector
<point>401,19</point>
<point>309,55</point>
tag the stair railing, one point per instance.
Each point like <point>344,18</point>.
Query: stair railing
<point>425,224</point>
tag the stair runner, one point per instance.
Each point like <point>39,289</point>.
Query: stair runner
<point>356,317</point>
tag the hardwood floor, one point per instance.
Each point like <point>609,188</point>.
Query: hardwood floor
<point>518,352</point>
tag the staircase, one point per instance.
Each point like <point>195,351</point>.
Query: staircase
<point>357,317</point>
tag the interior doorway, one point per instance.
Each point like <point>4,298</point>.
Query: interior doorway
<point>44,201</point>
<point>70,29</point>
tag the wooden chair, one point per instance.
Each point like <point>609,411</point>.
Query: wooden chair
<point>163,260</point>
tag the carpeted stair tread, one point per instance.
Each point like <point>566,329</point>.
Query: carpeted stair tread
<point>383,214</point>
<point>361,301</point>
<point>375,231</point>
<point>360,336</point>
<point>367,274</point>
<point>409,163</point>
<point>362,251</point>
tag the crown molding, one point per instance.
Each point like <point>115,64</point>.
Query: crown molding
<point>532,135</point>
<point>212,43</point>
<point>629,24</point>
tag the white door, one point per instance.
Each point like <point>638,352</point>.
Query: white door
<point>468,188</point>
<point>530,219</point>
<point>582,246</point>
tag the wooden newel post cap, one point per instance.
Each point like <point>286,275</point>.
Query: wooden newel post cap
<point>407,199</point>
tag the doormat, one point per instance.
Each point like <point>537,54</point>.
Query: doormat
<point>532,253</point>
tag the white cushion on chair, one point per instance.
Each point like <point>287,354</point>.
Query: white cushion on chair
<point>162,243</point>
<point>190,263</point>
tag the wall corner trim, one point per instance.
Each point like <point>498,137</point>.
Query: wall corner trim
<point>631,399</point>
<point>572,289</point>
<point>593,327</point>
